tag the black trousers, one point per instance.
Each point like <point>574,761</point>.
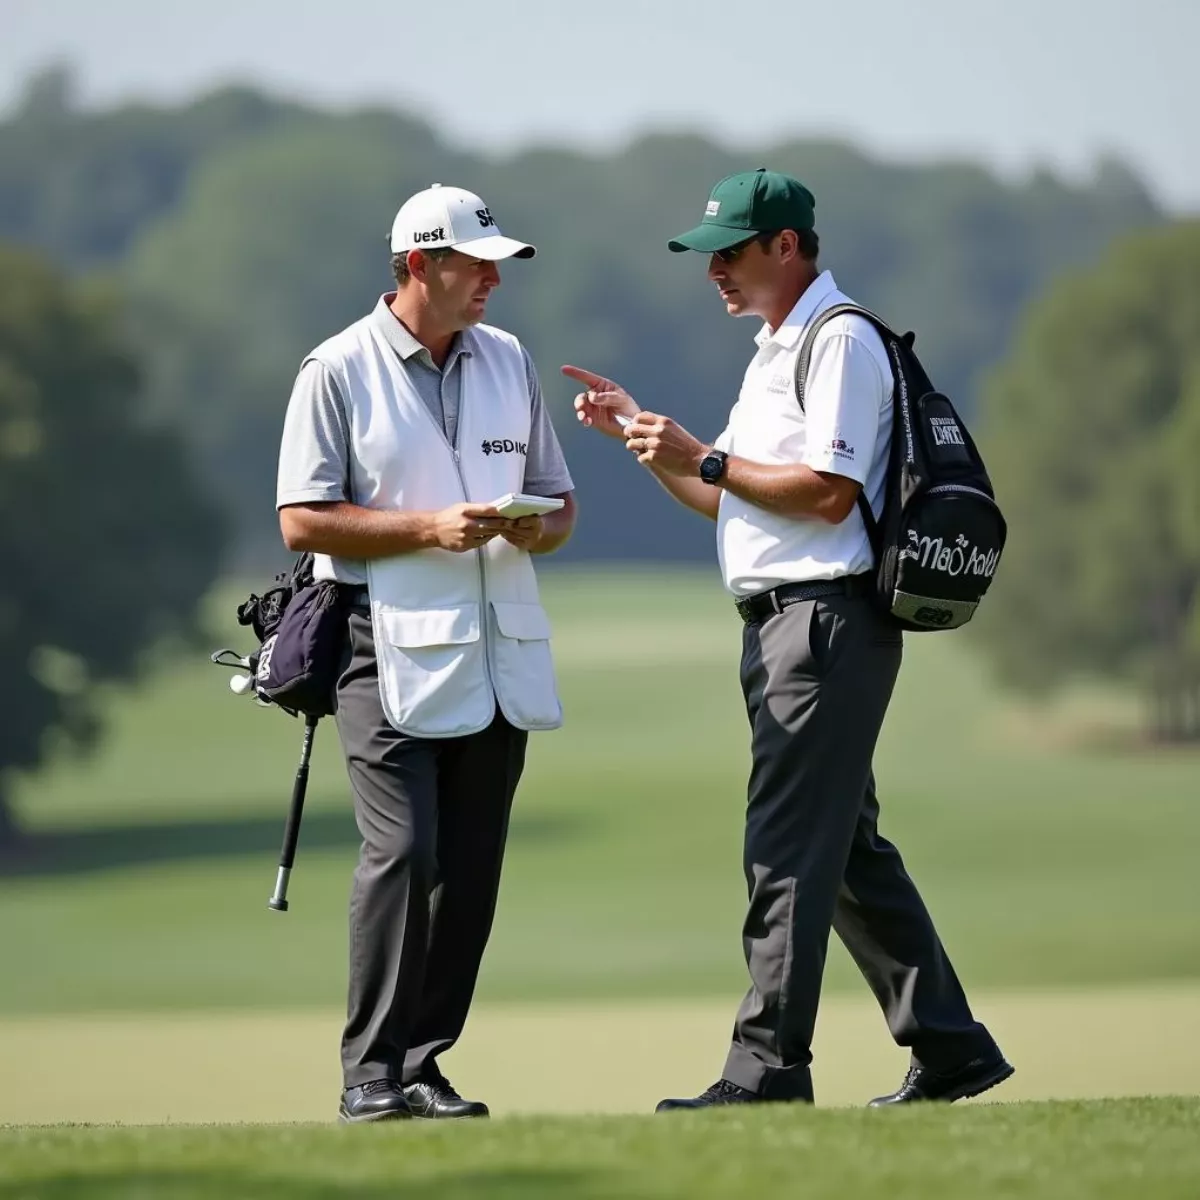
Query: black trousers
<point>817,679</point>
<point>433,814</point>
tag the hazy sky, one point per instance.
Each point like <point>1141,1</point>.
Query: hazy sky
<point>1055,82</point>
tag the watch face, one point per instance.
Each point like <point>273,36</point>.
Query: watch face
<point>711,467</point>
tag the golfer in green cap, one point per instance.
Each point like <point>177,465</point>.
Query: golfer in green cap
<point>818,662</point>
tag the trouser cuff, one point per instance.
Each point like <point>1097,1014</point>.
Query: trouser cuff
<point>359,1073</point>
<point>946,1052</point>
<point>771,1083</point>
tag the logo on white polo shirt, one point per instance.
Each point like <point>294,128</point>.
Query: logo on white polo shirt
<point>840,448</point>
<point>779,385</point>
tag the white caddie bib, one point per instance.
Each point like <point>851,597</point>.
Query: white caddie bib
<point>454,633</point>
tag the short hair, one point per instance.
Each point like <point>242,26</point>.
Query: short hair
<point>808,245</point>
<point>400,262</point>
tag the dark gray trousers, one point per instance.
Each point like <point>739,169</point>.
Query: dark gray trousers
<point>817,679</point>
<point>433,814</point>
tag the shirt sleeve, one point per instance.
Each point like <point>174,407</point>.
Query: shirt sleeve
<point>314,457</point>
<point>546,471</point>
<point>843,397</point>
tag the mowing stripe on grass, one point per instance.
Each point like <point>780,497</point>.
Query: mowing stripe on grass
<point>567,1058</point>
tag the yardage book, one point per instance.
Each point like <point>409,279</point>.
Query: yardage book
<point>516,504</point>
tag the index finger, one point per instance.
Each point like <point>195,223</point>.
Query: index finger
<point>584,376</point>
<point>479,510</point>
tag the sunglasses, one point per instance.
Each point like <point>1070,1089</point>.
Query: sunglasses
<point>730,253</point>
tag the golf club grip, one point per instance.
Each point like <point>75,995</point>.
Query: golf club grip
<point>291,831</point>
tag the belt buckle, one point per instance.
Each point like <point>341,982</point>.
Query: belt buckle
<point>776,605</point>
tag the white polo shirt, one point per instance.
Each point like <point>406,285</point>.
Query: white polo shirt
<point>844,429</point>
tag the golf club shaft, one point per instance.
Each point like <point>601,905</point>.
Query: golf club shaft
<point>291,831</point>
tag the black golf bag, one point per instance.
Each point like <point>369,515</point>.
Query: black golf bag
<point>300,624</point>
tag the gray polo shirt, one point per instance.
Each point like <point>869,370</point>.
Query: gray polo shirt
<point>314,459</point>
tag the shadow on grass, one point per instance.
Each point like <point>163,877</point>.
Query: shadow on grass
<point>196,1183</point>
<point>101,848</point>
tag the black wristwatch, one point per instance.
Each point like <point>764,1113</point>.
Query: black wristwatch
<point>712,465</point>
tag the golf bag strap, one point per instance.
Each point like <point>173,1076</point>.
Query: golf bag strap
<point>804,358</point>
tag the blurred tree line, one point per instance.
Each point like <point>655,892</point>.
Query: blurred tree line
<point>107,539</point>
<point>245,229</point>
<point>1092,429</point>
<point>137,439</point>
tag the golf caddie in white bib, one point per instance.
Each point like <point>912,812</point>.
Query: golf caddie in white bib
<point>403,433</point>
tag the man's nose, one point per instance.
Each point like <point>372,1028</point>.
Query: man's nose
<point>716,268</point>
<point>491,275</point>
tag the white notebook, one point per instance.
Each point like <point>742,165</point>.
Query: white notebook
<point>516,504</point>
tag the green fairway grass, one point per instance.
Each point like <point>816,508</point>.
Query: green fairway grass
<point>1067,1151</point>
<point>1044,863</point>
<point>568,1057</point>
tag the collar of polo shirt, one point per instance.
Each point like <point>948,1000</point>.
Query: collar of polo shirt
<point>400,338</point>
<point>803,311</point>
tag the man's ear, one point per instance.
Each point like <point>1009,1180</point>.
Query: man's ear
<point>418,265</point>
<point>789,245</point>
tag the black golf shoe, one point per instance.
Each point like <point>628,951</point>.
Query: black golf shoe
<point>721,1092</point>
<point>436,1099</point>
<point>923,1083</point>
<point>379,1100</point>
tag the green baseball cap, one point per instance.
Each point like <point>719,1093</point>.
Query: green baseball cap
<point>742,205</point>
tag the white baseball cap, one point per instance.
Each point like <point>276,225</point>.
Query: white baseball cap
<point>451,217</point>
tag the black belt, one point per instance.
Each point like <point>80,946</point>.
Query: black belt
<point>760,606</point>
